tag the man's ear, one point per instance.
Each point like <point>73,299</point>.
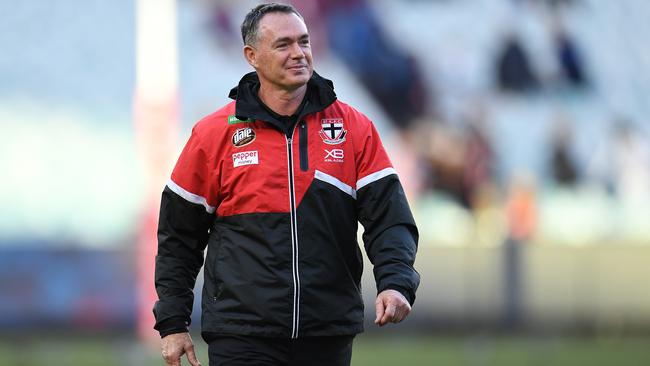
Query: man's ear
<point>251,55</point>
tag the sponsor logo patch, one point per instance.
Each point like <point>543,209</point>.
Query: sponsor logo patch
<point>232,119</point>
<point>332,131</point>
<point>243,137</point>
<point>334,156</point>
<point>245,158</point>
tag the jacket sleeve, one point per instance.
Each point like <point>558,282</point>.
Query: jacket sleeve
<point>186,214</point>
<point>390,235</point>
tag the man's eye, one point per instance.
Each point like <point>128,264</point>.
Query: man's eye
<point>281,45</point>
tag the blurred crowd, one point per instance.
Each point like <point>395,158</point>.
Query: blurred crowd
<point>511,124</point>
<point>586,177</point>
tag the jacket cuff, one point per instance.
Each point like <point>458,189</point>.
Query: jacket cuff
<point>408,294</point>
<point>171,326</point>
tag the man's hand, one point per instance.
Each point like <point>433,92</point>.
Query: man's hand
<point>391,306</point>
<point>175,345</point>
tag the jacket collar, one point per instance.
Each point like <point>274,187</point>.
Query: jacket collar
<point>320,94</point>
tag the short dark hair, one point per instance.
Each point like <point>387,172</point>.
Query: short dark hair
<point>252,20</point>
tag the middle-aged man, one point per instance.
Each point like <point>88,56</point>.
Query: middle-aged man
<point>274,184</point>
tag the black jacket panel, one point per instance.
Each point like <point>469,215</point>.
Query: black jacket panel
<point>182,236</point>
<point>248,285</point>
<point>390,235</point>
<point>330,263</point>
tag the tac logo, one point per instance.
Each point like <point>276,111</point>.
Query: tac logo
<point>243,137</point>
<point>245,158</point>
<point>334,155</point>
<point>332,131</point>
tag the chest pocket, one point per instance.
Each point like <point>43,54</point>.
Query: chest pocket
<point>303,136</point>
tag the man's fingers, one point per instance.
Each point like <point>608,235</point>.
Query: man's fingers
<point>172,360</point>
<point>379,310</point>
<point>391,306</point>
<point>175,345</point>
<point>388,314</point>
<point>191,356</point>
<point>403,310</point>
<point>400,315</point>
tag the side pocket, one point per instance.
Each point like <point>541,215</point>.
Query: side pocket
<point>304,156</point>
<point>218,283</point>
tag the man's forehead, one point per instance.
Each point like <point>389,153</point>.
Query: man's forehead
<point>282,25</point>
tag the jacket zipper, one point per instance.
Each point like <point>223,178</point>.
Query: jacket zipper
<point>304,157</point>
<point>294,240</point>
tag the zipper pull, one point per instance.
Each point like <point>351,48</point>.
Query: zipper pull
<point>289,140</point>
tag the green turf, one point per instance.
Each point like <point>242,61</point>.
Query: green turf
<point>368,350</point>
<point>501,351</point>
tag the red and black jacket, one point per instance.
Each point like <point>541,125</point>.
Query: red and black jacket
<point>277,207</point>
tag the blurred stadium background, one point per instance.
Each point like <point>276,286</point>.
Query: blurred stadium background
<point>520,129</point>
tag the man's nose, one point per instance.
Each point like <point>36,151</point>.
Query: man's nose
<point>296,51</point>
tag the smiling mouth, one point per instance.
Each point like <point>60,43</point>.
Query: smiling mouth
<point>298,67</point>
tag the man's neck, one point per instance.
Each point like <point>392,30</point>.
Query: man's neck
<point>280,101</point>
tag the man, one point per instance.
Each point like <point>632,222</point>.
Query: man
<point>274,184</point>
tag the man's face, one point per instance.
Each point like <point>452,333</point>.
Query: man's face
<point>282,53</point>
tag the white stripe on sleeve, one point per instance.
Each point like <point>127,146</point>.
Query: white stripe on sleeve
<point>374,177</point>
<point>189,196</point>
<point>335,182</point>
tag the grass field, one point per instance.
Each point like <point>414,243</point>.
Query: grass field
<point>368,350</point>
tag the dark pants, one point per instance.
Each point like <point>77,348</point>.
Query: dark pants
<point>235,350</point>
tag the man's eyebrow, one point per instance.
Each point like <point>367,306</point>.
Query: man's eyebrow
<point>289,39</point>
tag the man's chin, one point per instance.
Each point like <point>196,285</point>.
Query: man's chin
<point>296,81</point>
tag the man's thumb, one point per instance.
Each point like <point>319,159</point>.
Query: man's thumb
<point>379,310</point>
<point>191,356</point>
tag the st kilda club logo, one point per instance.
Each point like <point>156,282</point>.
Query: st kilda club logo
<point>332,131</point>
<point>243,137</point>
